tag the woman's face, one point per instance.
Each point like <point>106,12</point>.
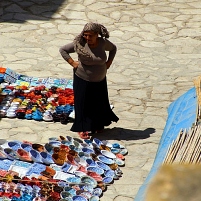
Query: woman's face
<point>90,37</point>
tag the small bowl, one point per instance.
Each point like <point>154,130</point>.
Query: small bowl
<point>66,167</point>
<point>69,138</point>
<point>95,169</point>
<point>81,161</point>
<point>11,154</point>
<point>3,142</point>
<point>117,173</point>
<point>55,143</point>
<point>109,173</point>
<point>95,176</point>
<point>66,199</point>
<point>26,91</point>
<point>46,158</point>
<point>78,140</point>
<point>11,110</point>
<point>107,180</point>
<point>90,162</point>
<point>4,84</point>
<point>87,188</point>
<point>87,150</point>
<point>105,159</point>
<point>89,181</point>
<point>87,141</point>
<point>116,145</point>
<point>97,192</point>
<point>123,151</point>
<point>85,194</point>
<point>2,113</point>
<point>4,107</point>
<point>26,146</point>
<point>108,154</point>
<point>3,155</point>
<point>73,180</point>
<point>62,184</point>
<point>115,150</point>
<point>32,88</point>
<point>53,139</point>
<point>35,156</point>
<point>13,107</point>
<point>102,165</point>
<point>15,104</point>
<point>4,102</point>
<point>97,141</point>
<point>94,198</point>
<point>119,162</point>
<point>77,144</point>
<point>4,94</point>
<point>14,145</point>
<point>79,198</point>
<point>65,194</point>
<point>70,190</point>
<point>50,99</point>
<point>80,173</point>
<point>23,155</point>
<point>120,156</point>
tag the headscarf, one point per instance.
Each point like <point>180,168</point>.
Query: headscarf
<point>79,41</point>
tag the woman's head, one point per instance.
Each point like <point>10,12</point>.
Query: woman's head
<point>96,29</point>
<point>89,35</point>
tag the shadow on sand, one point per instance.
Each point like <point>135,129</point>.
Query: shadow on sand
<point>124,134</point>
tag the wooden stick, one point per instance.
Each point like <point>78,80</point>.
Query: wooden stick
<point>196,145</point>
<point>193,144</point>
<point>190,139</point>
<point>183,140</point>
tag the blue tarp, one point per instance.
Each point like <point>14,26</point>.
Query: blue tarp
<point>181,115</point>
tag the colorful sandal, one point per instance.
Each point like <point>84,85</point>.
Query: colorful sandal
<point>84,135</point>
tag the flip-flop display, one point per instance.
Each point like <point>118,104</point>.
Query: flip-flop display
<point>40,99</point>
<point>66,170</point>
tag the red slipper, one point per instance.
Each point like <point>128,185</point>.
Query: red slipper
<point>84,135</point>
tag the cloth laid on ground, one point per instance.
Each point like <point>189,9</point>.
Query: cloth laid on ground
<point>26,97</point>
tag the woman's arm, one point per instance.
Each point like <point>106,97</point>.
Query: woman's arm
<point>65,53</point>
<point>109,46</point>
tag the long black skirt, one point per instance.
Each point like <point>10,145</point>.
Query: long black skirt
<point>91,105</point>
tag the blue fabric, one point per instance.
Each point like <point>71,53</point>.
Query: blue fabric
<point>5,164</point>
<point>181,115</point>
<point>36,168</point>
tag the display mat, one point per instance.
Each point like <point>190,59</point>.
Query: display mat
<point>40,99</point>
<point>64,168</point>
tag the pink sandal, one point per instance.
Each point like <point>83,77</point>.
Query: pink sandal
<point>84,135</point>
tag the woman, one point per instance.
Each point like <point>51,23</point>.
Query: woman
<point>92,108</point>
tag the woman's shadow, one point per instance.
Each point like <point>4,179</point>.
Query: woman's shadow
<point>124,134</point>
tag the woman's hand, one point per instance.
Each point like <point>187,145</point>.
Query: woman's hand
<point>108,64</point>
<point>75,64</point>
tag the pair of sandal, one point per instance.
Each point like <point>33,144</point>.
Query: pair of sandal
<point>84,135</point>
<point>48,172</point>
<point>59,156</point>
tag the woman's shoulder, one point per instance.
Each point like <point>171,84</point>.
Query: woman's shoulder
<point>101,40</point>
